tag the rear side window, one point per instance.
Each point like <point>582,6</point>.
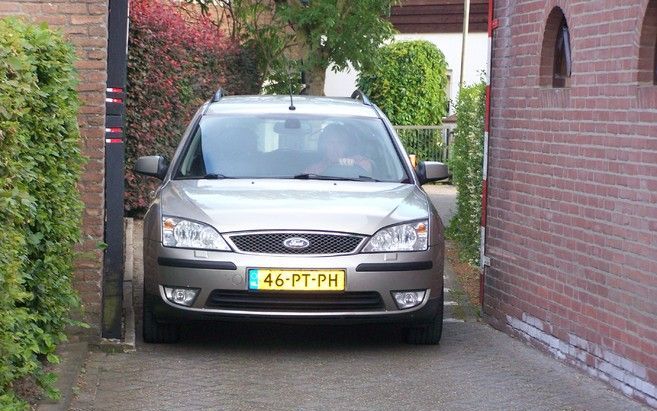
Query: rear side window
<point>275,147</point>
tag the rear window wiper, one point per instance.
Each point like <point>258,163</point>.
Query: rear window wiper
<point>311,176</point>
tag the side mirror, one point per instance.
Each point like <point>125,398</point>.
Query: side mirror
<point>153,166</point>
<point>428,171</point>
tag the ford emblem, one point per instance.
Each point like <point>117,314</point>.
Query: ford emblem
<point>296,243</point>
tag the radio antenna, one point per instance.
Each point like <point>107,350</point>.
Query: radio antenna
<point>289,80</point>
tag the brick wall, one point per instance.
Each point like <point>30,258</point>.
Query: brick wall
<point>84,22</point>
<point>572,206</point>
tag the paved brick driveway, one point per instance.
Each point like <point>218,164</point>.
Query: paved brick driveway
<point>247,366</point>
<point>309,368</point>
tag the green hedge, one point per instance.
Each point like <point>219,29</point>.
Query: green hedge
<point>408,82</point>
<point>466,165</point>
<point>40,164</point>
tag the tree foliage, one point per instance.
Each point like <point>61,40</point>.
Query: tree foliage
<point>40,208</point>
<point>174,65</point>
<point>306,35</point>
<point>466,165</point>
<point>253,24</point>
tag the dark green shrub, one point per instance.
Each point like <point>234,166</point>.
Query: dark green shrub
<point>174,64</point>
<point>466,165</point>
<point>408,82</point>
<point>40,164</point>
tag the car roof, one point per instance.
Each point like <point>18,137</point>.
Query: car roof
<point>337,106</point>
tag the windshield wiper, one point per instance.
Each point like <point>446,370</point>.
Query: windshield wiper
<point>214,176</point>
<point>311,176</point>
<point>209,176</point>
<point>367,178</point>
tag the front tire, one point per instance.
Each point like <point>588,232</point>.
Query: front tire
<point>430,333</point>
<point>154,331</point>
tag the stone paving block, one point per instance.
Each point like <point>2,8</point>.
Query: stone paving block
<point>312,368</point>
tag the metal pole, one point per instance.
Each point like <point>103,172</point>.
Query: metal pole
<point>114,168</point>
<point>484,261</point>
<point>466,23</point>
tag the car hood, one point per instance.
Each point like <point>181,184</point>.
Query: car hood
<point>264,204</point>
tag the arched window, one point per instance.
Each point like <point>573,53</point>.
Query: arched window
<point>562,57</point>
<point>648,46</point>
<point>556,54</point>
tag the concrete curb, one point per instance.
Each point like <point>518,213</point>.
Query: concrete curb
<point>128,302</point>
<point>127,344</point>
<point>72,356</point>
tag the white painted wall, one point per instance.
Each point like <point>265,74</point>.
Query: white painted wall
<point>344,83</point>
<point>340,84</point>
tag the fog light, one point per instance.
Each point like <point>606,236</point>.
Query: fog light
<point>182,296</point>
<point>408,299</point>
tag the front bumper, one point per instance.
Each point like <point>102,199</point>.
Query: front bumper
<point>209,271</point>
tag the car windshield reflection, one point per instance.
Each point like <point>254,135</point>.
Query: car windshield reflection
<point>299,147</point>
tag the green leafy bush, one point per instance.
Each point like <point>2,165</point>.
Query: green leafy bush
<point>408,82</point>
<point>466,165</point>
<point>174,64</point>
<point>40,209</point>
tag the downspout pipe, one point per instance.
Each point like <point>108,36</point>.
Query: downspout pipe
<point>464,40</point>
<point>483,259</point>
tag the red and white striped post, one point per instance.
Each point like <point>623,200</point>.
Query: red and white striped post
<point>483,260</point>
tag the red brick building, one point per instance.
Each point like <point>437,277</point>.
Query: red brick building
<point>572,185</point>
<point>84,23</point>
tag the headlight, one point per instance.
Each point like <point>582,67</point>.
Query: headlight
<point>177,232</point>
<point>402,237</point>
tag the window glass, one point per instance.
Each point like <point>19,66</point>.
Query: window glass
<point>647,67</point>
<point>562,56</point>
<point>285,147</point>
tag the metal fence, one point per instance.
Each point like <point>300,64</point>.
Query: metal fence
<point>431,143</point>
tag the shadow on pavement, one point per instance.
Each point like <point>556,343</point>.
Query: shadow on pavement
<point>253,336</point>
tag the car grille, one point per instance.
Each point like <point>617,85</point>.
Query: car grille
<point>285,301</point>
<point>318,243</point>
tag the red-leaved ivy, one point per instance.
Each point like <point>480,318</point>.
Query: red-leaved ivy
<point>174,64</point>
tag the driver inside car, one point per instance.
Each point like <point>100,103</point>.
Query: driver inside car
<point>334,144</point>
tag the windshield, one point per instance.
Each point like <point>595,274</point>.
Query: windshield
<point>302,146</point>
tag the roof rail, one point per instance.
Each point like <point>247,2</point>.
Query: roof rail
<point>218,95</point>
<point>215,97</point>
<point>359,95</point>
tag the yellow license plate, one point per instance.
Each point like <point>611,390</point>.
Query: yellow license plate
<point>296,280</point>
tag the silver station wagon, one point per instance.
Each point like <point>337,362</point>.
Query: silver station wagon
<point>309,211</point>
